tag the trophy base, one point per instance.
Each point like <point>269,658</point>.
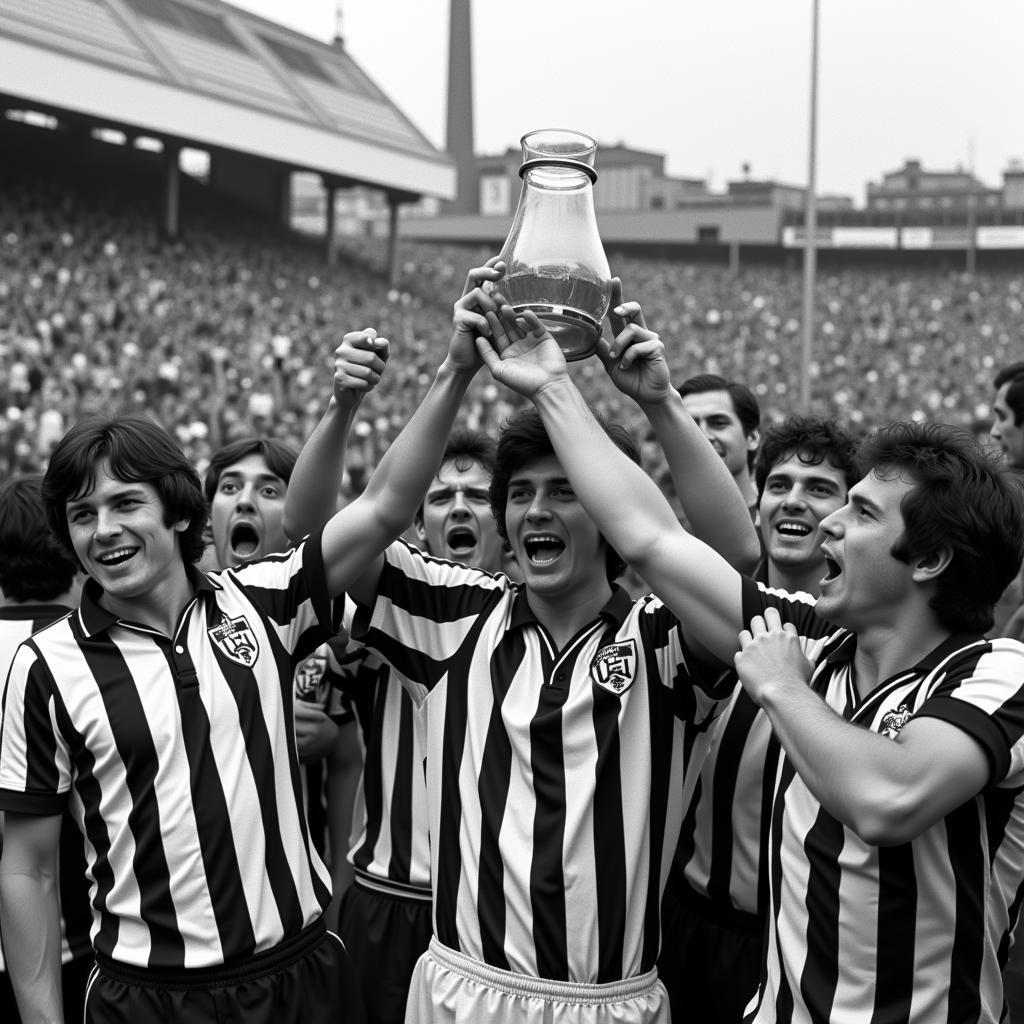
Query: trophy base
<point>576,333</point>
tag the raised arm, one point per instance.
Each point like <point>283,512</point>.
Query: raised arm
<point>355,538</point>
<point>312,496</point>
<point>692,579</point>
<point>715,508</point>
<point>30,914</point>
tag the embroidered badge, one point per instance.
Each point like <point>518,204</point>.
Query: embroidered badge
<point>308,674</point>
<point>893,721</point>
<point>236,640</point>
<point>614,666</point>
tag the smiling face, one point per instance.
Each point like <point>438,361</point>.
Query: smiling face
<point>120,537</point>
<point>456,522</point>
<point>865,584</point>
<point>246,512</point>
<point>1008,435</point>
<point>715,414</point>
<point>558,547</point>
<point>797,496</point>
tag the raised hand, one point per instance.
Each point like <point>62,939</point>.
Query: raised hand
<point>520,352</point>
<point>635,358</point>
<point>470,315</point>
<point>359,363</point>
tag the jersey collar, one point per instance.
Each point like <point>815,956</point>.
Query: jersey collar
<point>93,618</point>
<point>616,608</point>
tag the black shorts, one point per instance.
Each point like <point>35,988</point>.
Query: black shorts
<point>304,980</point>
<point>385,935</point>
<point>710,959</point>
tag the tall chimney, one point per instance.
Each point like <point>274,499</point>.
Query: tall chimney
<point>459,139</point>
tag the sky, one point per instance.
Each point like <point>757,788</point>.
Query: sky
<point>713,85</point>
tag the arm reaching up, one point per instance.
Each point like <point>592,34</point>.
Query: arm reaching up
<point>716,510</point>
<point>701,588</point>
<point>355,538</point>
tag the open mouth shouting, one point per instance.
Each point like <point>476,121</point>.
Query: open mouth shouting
<point>833,570</point>
<point>244,540</point>
<point>543,548</point>
<point>460,540</point>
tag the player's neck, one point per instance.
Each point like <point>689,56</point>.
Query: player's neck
<point>886,648</point>
<point>160,607</point>
<point>564,616</point>
<point>794,579</point>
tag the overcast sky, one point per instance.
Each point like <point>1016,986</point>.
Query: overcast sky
<point>715,84</point>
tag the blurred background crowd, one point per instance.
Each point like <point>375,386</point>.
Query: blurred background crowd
<point>231,329</point>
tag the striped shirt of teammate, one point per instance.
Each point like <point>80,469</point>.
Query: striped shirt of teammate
<point>161,711</point>
<point>900,724</point>
<point>557,717</point>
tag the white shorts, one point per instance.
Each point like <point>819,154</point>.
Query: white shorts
<point>451,988</point>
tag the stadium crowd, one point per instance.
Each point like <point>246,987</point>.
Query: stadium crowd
<point>531,737</point>
<point>224,332</point>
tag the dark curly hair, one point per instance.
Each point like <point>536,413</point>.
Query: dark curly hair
<point>524,439</point>
<point>813,440</point>
<point>139,451</point>
<point>963,501</point>
<point>34,564</point>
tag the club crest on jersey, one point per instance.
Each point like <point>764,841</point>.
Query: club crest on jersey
<point>237,640</point>
<point>893,721</point>
<point>308,674</point>
<point>614,666</point>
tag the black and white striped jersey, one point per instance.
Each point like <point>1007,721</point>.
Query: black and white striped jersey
<point>177,758</point>
<point>554,778</point>
<point>907,932</point>
<point>17,623</point>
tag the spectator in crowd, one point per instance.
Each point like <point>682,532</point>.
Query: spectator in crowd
<point>728,414</point>
<point>172,732</point>
<point>1008,414</point>
<point>41,583</point>
<point>716,902</point>
<point>900,731</point>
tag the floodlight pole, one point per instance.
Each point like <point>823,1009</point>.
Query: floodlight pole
<point>810,225</point>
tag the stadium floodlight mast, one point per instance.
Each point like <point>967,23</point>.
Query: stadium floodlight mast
<point>810,224</point>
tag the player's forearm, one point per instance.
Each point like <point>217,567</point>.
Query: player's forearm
<point>317,477</point>
<point>400,481</point>
<point>30,922</point>
<point>628,507</point>
<point>864,780</point>
<point>715,508</point>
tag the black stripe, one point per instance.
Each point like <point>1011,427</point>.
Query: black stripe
<point>609,837</point>
<point>134,741</point>
<point>820,975</point>
<point>259,752</point>
<point>732,740</point>
<point>216,842</point>
<point>373,779</point>
<point>784,995</point>
<point>897,926</point>
<point>89,792</point>
<point>41,773</point>
<point>492,792</point>
<point>771,768</point>
<point>400,867</point>
<point>663,730</point>
<point>967,860</point>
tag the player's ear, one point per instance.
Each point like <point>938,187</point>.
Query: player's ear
<point>421,530</point>
<point>931,566</point>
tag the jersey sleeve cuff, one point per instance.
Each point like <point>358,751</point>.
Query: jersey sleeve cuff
<point>977,724</point>
<point>328,611</point>
<point>42,804</point>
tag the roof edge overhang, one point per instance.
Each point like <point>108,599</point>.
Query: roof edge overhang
<point>63,82</point>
